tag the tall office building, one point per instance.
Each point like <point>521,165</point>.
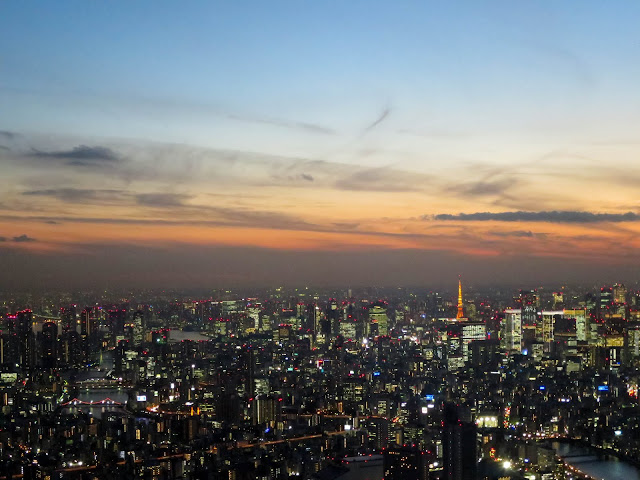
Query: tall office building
<point>26,339</point>
<point>49,345</point>
<point>547,328</point>
<point>529,306</point>
<point>511,331</point>
<point>379,322</point>
<point>582,324</point>
<point>459,444</point>
<point>68,318</point>
<point>405,463</point>
<point>619,293</point>
<point>472,331</point>
<point>558,300</point>
<point>85,316</point>
<point>605,302</point>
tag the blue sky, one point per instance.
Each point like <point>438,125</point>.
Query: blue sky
<point>480,66</point>
<point>344,124</point>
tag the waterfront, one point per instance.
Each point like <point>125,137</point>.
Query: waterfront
<point>595,464</point>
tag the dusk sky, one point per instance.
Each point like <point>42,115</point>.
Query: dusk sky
<point>156,143</point>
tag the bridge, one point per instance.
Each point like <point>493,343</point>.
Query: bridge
<point>105,402</point>
<point>105,383</point>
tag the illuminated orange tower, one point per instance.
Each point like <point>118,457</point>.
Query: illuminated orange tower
<point>460,313</point>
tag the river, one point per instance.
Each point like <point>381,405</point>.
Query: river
<point>119,395</point>
<point>595,464</point>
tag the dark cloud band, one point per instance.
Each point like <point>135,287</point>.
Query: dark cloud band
<point>19,239</point>
<point>554,216</point>
<point>82,155</point>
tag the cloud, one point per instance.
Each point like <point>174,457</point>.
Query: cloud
<point>173,204</point>
<point>204,216</point>
<point>555,216</point>
<point>162,199</point>
<point>484,188</point>
<point>23,239</point>
<point>82,155</point>
<point>277,177</point>
<point>77,195</point>
<point>309,127</point>
<point>112,197</point>
<point>7,135</point>
<point>385,113</point>
<point>381,179</point>
<point>514,233</point>
<point>3,239</point>
<point>346,225</point>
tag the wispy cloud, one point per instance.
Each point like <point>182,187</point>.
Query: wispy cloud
<point>82,155</point>
<point>162,199</point>
<point>382,179</point>
<point>204,216</point>
<point>308,127</point>
<point>513,233</point>
<point>385,113</point>
<point>113,197</point>
<point>484,188</point>
<point>79,195</point>
<point>7,135</point>
<point>555,216</point>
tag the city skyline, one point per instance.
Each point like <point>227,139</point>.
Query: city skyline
<point>334,144</point>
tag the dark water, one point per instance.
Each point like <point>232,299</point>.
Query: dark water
<point>95,395</point>
<point>591,462</point>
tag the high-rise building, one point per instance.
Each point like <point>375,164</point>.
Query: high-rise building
<point>26,339</point>
<point>472,331</point>
<point>265,410</point>
<point>379,322</point>
<point>511,331</point>
<point>605,302</point>
<point>459,444</point>
<point>68,318</point>
<point>581,318</point>
<point>548,328</point>
<point>86,322</point>
<point>405,463</point>
<point>378,431</point>
<point>619,293</point>
<point>632,342</point>
<point>529,305</point>
<point>49,345</point>
<point>558,300</point>
<point>435,305</point>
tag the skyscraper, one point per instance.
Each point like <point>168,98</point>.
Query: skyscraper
<point>529,305</point>
<point>26,339</point>
<point>379,322</point>
<point>49,345</point>
<point>511,331</point>
<point>459,444</point>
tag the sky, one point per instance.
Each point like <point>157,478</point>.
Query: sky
<point>212,143</point>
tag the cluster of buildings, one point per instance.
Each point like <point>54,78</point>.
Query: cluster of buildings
<point>317,385</point>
